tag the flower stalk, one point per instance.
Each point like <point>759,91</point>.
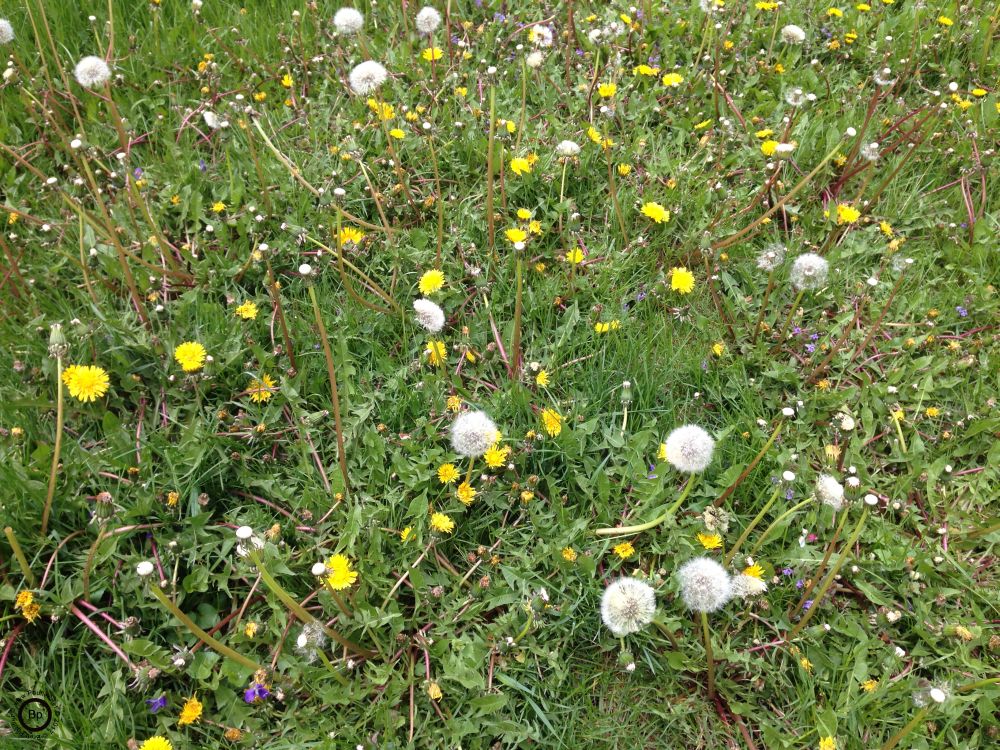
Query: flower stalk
<point>619,531</point>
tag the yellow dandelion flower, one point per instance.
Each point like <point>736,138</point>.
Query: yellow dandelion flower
<point>542,378</point>
<point>466,493</point>
<point>447,473</point>
<point>834,12</point>
<point>190,712</point>
<point>661,453</point>
<point>656,212</point>
<point>847,214</point>
<point>574,256</point>
<point>339,574</point>
<point>569,554</point>
<point>768,147</point>
<point>190,356</point>
<point>826,743</point>
<point>434,691</point>
<point>250,629</point>
<point>516,235</point>
<point>351,235</point>
<point>287,81</point>
<point>248,311</point>
<point>806,665</point>
<point>945,21</point>
<point>173,497</point>
<point>523,214</point>
<point>645,70</point>
<point>85,382</point>
<point>440,522</point>
<point>607,90</point>
<point>520,165</point>
<point>624,550</point>
<point>718,348</point>
<point>156,743</point>
<point>218,207</point>
<point>710,541</point>
<point>672,80</point>
<point>869,685</point>
<point>681,280</point>
<point>453,404</point>
<point>552,422</point>
<point>431,282</point>
<point>432,53</point>
<point>261,390</point>
<point>406,534</point>
<point>754,571</point>
<point>436,353</point>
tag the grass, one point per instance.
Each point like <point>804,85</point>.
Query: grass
<point>497,615</point>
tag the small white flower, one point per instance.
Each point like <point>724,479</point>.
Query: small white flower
<point>567,148</point>
<point>689,449</point>
<point>144,568</point>
<point>792,34</point>
<point>367,77</point>
<point>429,315</point>
<point>92,72</point>
<point>428,19</point>
<point>305,269</point>
<point>787,411</point>
<point>705,585</point>
<point>627,606</point>
<point>541,35</point>
<point>937,695</point>
<point>319,569</point>
<point>900,653</point>
<point>788,476</point>
<point>472,434</point>
<point>348,21</point>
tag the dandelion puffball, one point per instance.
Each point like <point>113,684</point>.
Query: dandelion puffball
<point>567,148</point>
<point>689,449</point>
<point>429,315</point>
<point>348,21</point>
<point>746,586</point>
<point>472,434</point>
<point>771,257</point>
<point>92,72</point>
<point>792,34</point>
<point>367,76</point>
<point>6,31</point>
<point>705,585</point>
<point>829,491</point>
<point>627,606</point>
<point>809,271</point>
<point>428,19</point>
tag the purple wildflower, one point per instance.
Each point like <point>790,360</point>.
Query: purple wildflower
<point>256,693</point>
<point>807,604</point>
<point>155,704</point>
<point>787,571</point>
<point>962,312</point>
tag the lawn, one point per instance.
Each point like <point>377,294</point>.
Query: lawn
<point>521,374</point>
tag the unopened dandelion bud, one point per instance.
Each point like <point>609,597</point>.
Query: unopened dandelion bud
<point>57,342</point>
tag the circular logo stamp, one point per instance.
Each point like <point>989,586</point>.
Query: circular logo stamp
<point>34,714</point>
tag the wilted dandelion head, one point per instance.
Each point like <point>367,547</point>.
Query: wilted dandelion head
<point>809,271</point>
<point>627,606</point>
<point>792,34</point>
<point>567,148</point>
<point>310,641</point>
<point>472,434</point>
<point>829,491</point>
<point>884,77</point>
<point>689,449</point>
<point>348,21</point>
<point>6,31</point>
<point>900,263</point>
<point>795,97</point>
<point>705,585</point>
<point>367,76</point>
<point>771,257</point>
<point>429,315</point>
<point>92,72</point>
<point>746,586</point>
<point>870,152</point>
<point>428,19</point>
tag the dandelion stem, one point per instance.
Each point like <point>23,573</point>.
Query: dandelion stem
<point>763,306</point>
<point>746,532</point>
<point>788,320</point>
<point>708,656</point>
<point>527,626</point>
<point>22,561</point>
<point>910,726</point>
<point>750,466</point>
<point>775,524</point>
<point>830,576</point>
<point>58,447</point>
<point>970,686</point>
<point>515,355</point>
<point>440,204</point>
<point>204,637</point>
<point>618,531</point>
<point>899,432</point>
<point>822,565</point>
<point>331,372</point>
<point>489,173</point>
<point>878,321</point>
<point>272,289</point>
<point>524,104</point>
<point>614,198</point>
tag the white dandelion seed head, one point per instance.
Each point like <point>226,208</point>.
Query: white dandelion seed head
<point>567,148</point>
<point>689,449</point>
<point>705,585</point>
<point>211,119</point>
<point>809,271</point>
<point>745,586</point>
<point>534,59</point>
<point>847,422</point>
<point>429,315</point>
<point>884,77</point>
<point>428,19</point>
<point>472,434</point>
<point>829,491</point>
<point>627,606</point>
<point>783,150</point>
<point>348,21</point>
<point>771,257</point>
<point>92,72</point>
<point>792,34</point>
<point>6,31</point>
<point>870,152</point>
<point>367,77</point>
<point>795,97</point>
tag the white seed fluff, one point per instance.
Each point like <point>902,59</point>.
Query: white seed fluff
<point>91,72</point>
<point>429,315</point>
<point>6,31</point>
<point>689,449</point>
<point>829,491</point>
<point>809,271</point>
<point>428,19</point>
<point>705,585</point>
<point>472,434</point>
<point>771,257</point>
<point>348,21</point>
<point>627,606</point>
<point>567,148</point>
<point>792,34</point>
<point>745,586</point>
<point>367,76</point>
